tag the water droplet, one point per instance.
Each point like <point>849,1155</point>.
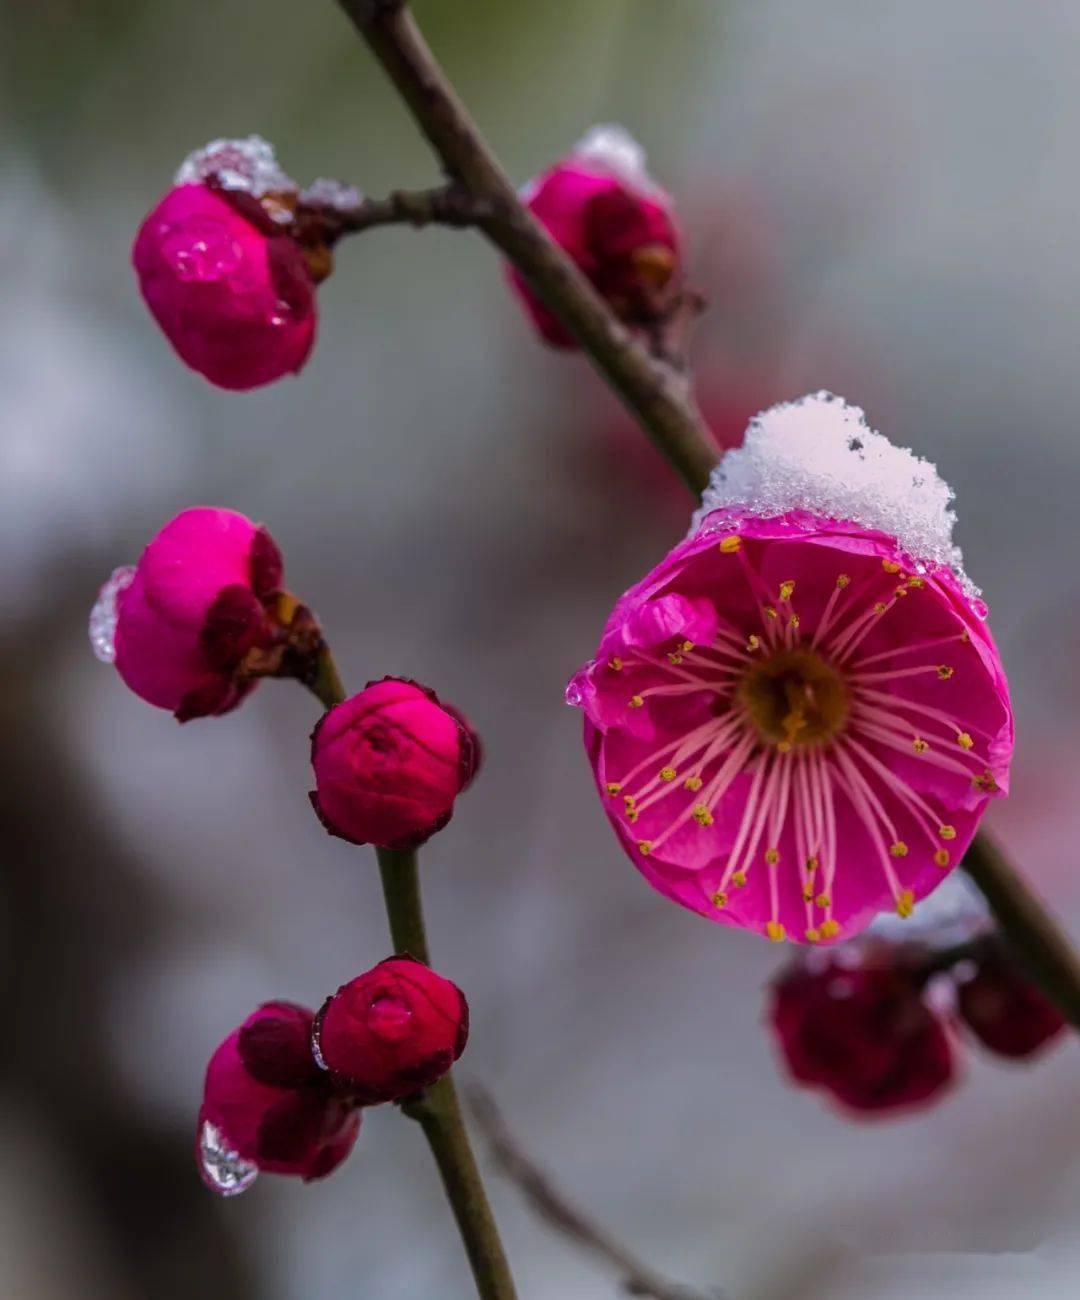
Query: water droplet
<point>203,250</point>
<point>573,694</point>
<point>225,1171</point>
<point>389,1018</point>
<point>979,609</point>
<point>102,626</point>
<point>316,1048</point>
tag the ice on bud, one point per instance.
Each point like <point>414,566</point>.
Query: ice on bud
<point>249,165</point>
<point>613,147</point>
<point>103,616</point>
<point>224,1171</point>
<point>818,455</point>
<point>325,192</point>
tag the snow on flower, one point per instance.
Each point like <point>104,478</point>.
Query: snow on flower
<point>798,718</point>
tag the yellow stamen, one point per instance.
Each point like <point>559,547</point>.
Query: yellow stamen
<point>811,865</point>
<point>842,581</point>
<point>674,657</point>
<point>668,774</point>
<point>830,929</point>
<point>644,846</point>
<point>879,608</point>
<point>615,664</point>
<point>692,783</point>
<point>813,935</point>
<point>753,642</point>
<point>702,815</point>
<point>823,900</point>
<point>731,544</point>
<point>808,894</point>
<point>719,899</point>
<point>770,611</point>
<point>945,672</point>
<point>613,787</point>
<point>772,856</point>
<point>776,932</point>
<point>890,566</point>
<point>915,583</point>
<point>636,701</point>
<point>787,589</point>
<point>793,621</point>
<point>985,782</point>
<point>941,857</point>
<point>905,903</point>
<point>919,745</point>
<point>898,850</point>
<point>963,739</point>
<point>947,832</point>
<point>739,879</point>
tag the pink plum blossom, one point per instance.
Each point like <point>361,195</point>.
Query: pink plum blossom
<point>197,611</point>
<point>797,719</point>
<point>389,763</point>
<point>392,1031</point>
<point>602,209</point>
<point>231,291</point>
<point>268,1105</point>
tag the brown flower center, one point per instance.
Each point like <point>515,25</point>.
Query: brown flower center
<point>796,699</point>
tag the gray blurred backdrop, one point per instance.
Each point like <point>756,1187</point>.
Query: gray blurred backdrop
<point>883,200</point>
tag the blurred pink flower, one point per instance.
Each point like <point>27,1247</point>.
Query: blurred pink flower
<point>601,207</point>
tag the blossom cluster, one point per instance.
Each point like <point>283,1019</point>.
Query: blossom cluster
<point>284,1091</point>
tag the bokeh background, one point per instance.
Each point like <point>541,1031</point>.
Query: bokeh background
<point>882,200</point>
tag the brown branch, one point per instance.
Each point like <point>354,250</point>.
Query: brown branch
<point>636,1278</point>
<point>654,391</point>
<point>657,394</point>
<point>448,205</point>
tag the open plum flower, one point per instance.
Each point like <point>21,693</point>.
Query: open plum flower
<point>797,719</point>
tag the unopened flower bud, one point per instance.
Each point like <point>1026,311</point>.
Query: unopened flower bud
<point>229,286</point>
<point>862,1033</point>
<point>393,1031</point>
<point>1004,1009</point>
<point>198,619</point>
<point>601,207</point>
<point>389,763</point>
<point>268,1107</point>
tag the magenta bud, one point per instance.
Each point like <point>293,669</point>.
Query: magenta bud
<point>196,612</point>
<point>1004,1009</point>
<point>601,207</point>
<point>268,1107</point>
<point>232,293</point>
<point>389,763</point>
<point>392,1031</point>
<point>863,1034</point>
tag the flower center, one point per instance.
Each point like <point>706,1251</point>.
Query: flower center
<point>795,699</point>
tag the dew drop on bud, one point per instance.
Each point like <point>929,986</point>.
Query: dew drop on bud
<point>102,626</point>
<point>224,1171</point>
<point>202,251</point>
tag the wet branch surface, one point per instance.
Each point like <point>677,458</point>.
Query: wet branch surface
<point>655,392</point>
<point>551,1205</point>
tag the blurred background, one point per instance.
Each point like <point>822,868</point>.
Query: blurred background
<point>881,200</point>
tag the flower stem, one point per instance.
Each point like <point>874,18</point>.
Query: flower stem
<point>656,394</point>
<point>1036,938</point>
<point>436,1109</point>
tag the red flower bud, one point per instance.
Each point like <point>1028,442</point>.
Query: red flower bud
<point>229,288</point>
<point>389,763</point>
<point>188,625</point>
<point>393,1031</point>
<point>862,1034</point>
<point>1004,1009</point>
<point>601,207</point>
<point>267,1105</point>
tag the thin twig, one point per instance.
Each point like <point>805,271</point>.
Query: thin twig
<point>636,1278</point>
<point>446,205</point>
